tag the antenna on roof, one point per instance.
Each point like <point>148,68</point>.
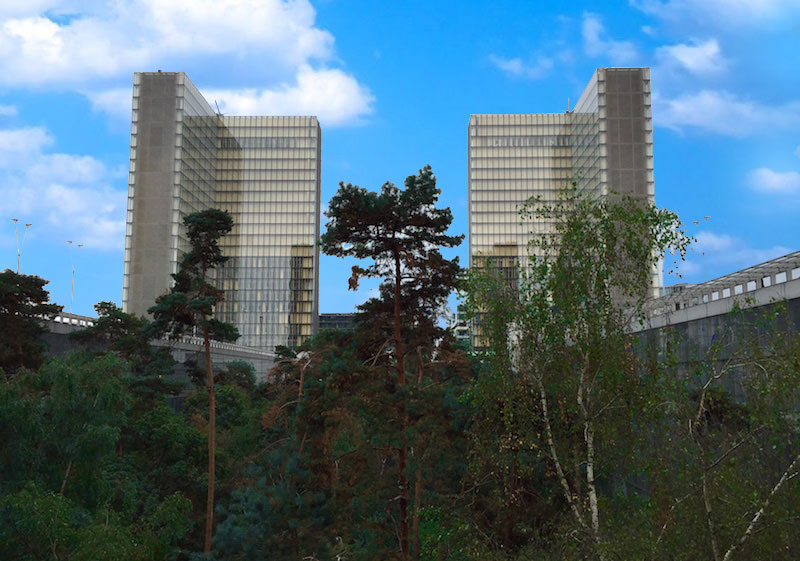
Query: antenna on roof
<point>567,105</point>
<point>219,113</point>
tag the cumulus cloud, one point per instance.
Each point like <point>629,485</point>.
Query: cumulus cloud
<point>766,180</point>
<point>125,36</point>
<point>720,13</point>
<point>332,95</point>
<point>21,8</point>
<point>723,253</point>
<point>115,102</point>
<point>701,58</point>
<point>597,43</point>
<point>19,147</point>
<point>65,196</point>
<point>517,68</point>
<point>95,47</point>
<point>723,113</point>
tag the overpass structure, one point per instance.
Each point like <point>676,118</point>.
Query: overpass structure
<point>697,323</point>
<point>768,283</point>
<point>182,349</point>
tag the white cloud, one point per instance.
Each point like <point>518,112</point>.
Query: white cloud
<point>723,113</point>
<point>332,95</point>
<point>596,42</point>
<point>517,68</point>
<point>709,241</point>
<point>777,182</point>
<point>8,110</point>
<point>21,8</point>
<point>725,252</point>
<point>685,269</point>
<point>115,102</point>
<point>64,196</point>
<point>18,147</point>
<point>699,58</point>
<point>720,13</point>
<point>95,51</point>
<point>127,36</point>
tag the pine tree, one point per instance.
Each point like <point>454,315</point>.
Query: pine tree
<point>189,305</point>
<point>401,231</point>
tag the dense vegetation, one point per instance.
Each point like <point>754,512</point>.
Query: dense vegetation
<point>566,438</point>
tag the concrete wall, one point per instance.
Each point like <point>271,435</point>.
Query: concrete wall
<point>59,344</point>
<point>691,341</point>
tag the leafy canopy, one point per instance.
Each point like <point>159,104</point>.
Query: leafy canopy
<point>393,224</point>
<point>190,303</point>
<point>24,307</point>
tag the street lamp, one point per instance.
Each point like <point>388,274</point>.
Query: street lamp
<point>72,261</point>
<point>703,252</point>
<point>16,238</point>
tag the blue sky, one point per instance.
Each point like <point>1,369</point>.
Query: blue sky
<point>393,84</point>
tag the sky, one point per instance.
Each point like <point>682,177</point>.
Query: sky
<point>393,85</point>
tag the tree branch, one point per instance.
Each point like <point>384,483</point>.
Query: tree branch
<point>784,478</point>
<point>733,448</point>
<point>559,470</point>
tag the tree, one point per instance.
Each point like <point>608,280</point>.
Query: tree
<point>128,337</point>
<point>24,308</point>
<point>67,491</point>
<point>401,231</point>
<point>562,384</point>
<point>732,434</point>
<point>189,305</point>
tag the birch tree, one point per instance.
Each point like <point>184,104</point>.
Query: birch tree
<point>561,395</point>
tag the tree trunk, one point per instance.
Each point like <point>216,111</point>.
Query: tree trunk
<point>212,426</point>
<point>415,545</point>
<point>66,476</point>
<point>415,521</point>
<point>402,452</point>
<point>20,352</point>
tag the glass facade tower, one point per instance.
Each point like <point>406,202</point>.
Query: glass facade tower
<point>265,171</point>
<point>605,144</point>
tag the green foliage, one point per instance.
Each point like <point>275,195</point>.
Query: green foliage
<point>24,308</point>
<point>61,423</point>
<point>691,458</point>
<point>560,397</point>
<point>617,451</point>
<point>394,222</point>
<point>190,302</point>
<point>238,373</point>
<point>38,524</point>
<point>733,424</point>
<point>68,489</point>
<point>325,483</point>
<point>125,335</point>
<point>402,232</point>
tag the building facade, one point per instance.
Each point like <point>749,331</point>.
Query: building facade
<point>344,322</point>
<point>265,171</point>
<point>605,145</point>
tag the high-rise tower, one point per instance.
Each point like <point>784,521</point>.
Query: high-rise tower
<point>605,144</point>
<point>265,171</point>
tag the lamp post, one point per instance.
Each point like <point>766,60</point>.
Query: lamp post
<point>16,239</point>
<point>72,262</point>
<point>703,252</point>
